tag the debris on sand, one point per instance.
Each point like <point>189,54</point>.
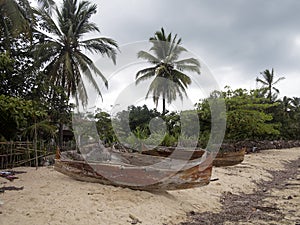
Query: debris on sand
<point>10,174</point>
<point>243,207</point>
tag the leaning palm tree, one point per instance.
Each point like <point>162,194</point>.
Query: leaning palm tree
<point>61,45</point>
<point>268,84</point>
<point>167,70</point>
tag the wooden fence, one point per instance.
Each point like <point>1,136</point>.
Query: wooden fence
<point>14,154</point>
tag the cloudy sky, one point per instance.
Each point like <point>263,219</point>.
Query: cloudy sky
<point>237,39</point>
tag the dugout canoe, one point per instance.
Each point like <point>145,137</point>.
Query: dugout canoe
<point>229,158</point>
<point>222,159</point>
<point>138,171</point>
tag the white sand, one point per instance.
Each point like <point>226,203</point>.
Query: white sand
<point>53,198</point>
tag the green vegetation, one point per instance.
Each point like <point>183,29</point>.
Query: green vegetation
<point>44,62</point>
<point>17,114</point>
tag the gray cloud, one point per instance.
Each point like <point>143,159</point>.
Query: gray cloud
<point>237,38</point>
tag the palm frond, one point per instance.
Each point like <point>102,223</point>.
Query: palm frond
<point>47,22</point>
<point>191,61</point>
<point>279,79</point>
<point>147,56</point>
<point>275,89</point>
<point>87,63</point>
<point>81,94</point>
<point>181,78</point>
<point>105,46</point>
<point>85,69</point>
<point>145,74</point>
<point>258,80</point>
<point>42,127</point>
<point>48,5</point>
<point>190,68</point>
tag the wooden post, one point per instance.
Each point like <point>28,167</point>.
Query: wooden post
<point>10,161</point>
<point>28,154</point>
<point>35,146</point>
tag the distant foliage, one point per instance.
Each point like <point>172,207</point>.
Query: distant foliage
<point>17,114</point>
<point>247,116</point>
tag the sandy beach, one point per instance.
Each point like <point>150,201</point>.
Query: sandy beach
<point>52,198</point>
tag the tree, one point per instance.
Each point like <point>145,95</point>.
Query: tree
<point>19,77</point>
<point>17,36</point>
<point>247,116</point>
<point>17,17</point>
<point>104,127</point>
<point>282,115</point>
<point>295,102</point>
<point>268,84</point>
<point>60,50</point>
<point>167,71</point>
<point>295,114</point>
<point>16,114</point>
<point>14,19</point>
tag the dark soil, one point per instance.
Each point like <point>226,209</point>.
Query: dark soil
<point>249,208</point>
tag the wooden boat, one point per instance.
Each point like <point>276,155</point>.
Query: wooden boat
<point>222,159</point>
<point>229,158</point>
<point>138,171</point>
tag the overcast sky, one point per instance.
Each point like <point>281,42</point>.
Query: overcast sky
<point>237,39</point>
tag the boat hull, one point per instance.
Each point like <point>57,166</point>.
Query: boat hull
<point>229,158</point>
<point>136,177</point>
<point>222,159</point>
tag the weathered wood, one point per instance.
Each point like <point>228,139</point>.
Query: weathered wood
<point>21,153</point>
<point>141,174</point>
<point>222,159</point>
<point>151,170</point>
<point>229,158</point>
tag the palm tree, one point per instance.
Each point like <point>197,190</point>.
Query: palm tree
<point>60,50</point>
<point>167,71</point>
<point>268,83</point>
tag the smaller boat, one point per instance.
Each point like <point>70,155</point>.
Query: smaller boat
<point>229,158</point>
<point>222,159</point>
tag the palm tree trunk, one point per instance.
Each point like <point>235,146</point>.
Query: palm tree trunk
<point>60,135</point>
<point>164,106</point>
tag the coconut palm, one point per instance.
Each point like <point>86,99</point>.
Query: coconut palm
<point>167,70</point>
<point>268,83</point>
<point>61,45</point>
